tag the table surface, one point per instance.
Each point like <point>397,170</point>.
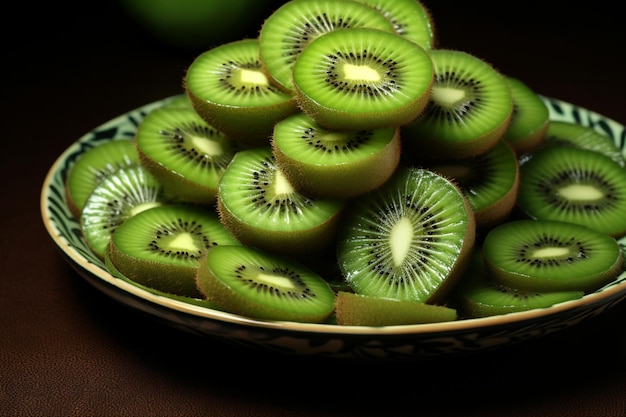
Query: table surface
<point>67,349</point>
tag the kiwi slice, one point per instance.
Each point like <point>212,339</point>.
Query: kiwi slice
<point>490,182</point>
<point>229,88</point>
<point>261,207</point>
<point>353,309</point>
<point>408,239</point>
<point>530,118</point>
<point>328,163</point>
<point>575,185</point>
<point>264,285</point>
<point>290,28</point>
<point>186,154</point>
<point>469,110</point>
<point>550,255</point>
<point>410,19</point>
<point>362,78</point>
<point>160,247</point>
<point>93,166</point>
<point>121,195</point>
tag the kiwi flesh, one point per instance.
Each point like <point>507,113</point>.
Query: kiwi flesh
<point>362,78</point>
<point>469,110</point>
<point>263,285</point>
<point>261,207</point>
<point>160,247</point>
<point>230,90</point>
<point>338,164</point>
<point>549,255</point>
<point>408,239</point>
<point>575,185</point>
<point>289,29</point>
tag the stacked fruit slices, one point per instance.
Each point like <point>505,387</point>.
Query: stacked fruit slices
<point>341,168</point>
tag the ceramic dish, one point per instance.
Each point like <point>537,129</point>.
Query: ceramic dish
<point>389,343</point>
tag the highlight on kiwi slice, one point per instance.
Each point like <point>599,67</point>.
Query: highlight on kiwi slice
<point>410,19</point>
<point>550,255</point>
<point>160,247</point>
<point>575,185</point>
<point>353,309</point>
<point>408,239</point>
<point>263,285</point>
<point>469,110</point>
<point>329,163</point>
<point>530,118</point>
<point>122,194</point>
<point>93,166</point>
<point>291,27</point>
<point>262,208</point>
<point>362,78</point>
<point>229,88</point>
<point>490,181</point>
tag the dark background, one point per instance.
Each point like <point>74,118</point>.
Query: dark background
<point>66,349</point>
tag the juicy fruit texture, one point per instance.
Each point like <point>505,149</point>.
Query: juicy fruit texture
<point>187,155</point>
<point>548,255</point>
<point>469,109</point>
<point>574,185</point>
<point>409,239</point>
<point>354,79</point>
<point>259,284</point>
<point>328,163</point>
<point>290,28</point>
<point>229,89</point>
<point>261,207</point>
<point>161,247</point>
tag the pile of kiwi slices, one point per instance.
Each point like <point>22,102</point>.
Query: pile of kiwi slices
<point>341,168</point>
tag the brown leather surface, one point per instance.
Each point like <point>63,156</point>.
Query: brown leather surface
<point>69,350</point>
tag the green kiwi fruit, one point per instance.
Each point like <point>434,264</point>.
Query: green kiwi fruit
<point>93,166</point>
<point>187,155</point>
<point>362,78</point>
<point>263,285</point>
<point>120,195</point>
<point>409,239</point>
<point>261,207</point>
<point>229,88</point>
<point>530,118</point>
<point>550,255</point>
<point>469,110</point>
<point>329,163</point>
<point>490,181</point>
<point>353,309</point>
<point>576,185</point>
<point>410,19</point>
<point>160,247</point>
<point>287,31</point>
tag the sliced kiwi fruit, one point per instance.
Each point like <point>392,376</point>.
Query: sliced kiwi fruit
<point>187,155</point>
<point>490,181</point>
<point>410,19</point>
<point>160,247</point>
<point>362,78</point>
<point>408,239</point>
<point>329,163</point>
<point>122,194</point>
<point>289,29</point>
<point>530,118</point>
<point>263,285</point>
<point>229,88</point>
<point>575,185</point>
<point>550,255</point>
<point>93,166</point>
<point>261,207</point>
<point>353,309</point>
<point>469,110</point>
